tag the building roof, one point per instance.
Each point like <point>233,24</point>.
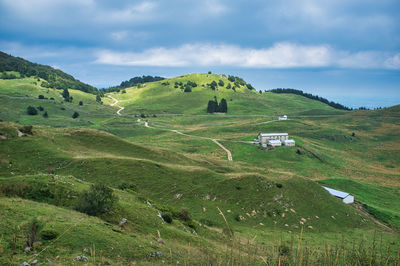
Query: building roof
<point>274,141</point>
<point>289,141</point>
<point>337,193</point>
<point>273,134</point>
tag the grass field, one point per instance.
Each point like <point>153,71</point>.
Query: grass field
<point>267,198</point>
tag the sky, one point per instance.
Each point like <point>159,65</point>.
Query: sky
<point>344,50</point>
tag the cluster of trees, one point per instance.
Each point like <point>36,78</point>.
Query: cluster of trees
<point>310,96</point>
<point>55,78</point>
<point>135,81</point>
<point>185,87</point>
<point>30,110</point>
<point>214,107</point>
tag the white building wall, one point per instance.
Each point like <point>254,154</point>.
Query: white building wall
<point>349,199</point>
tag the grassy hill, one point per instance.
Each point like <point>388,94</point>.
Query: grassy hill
<point>15,67</point>
<point>167,97</point>
<point>262,206</point>
<point>53,165</point>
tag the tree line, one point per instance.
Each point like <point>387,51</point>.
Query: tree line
<point>55,78</point>
<point>311,96</point>
<point>132,82</point>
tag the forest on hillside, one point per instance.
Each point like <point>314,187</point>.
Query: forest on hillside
<point>55,78</point>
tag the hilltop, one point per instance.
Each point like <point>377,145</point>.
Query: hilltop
<point>189,94</point>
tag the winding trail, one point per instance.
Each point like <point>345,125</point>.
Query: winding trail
<point>228,152</point>
<point>115,103</point>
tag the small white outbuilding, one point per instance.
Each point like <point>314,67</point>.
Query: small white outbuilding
<point>346,197</point>
<point>282,117</point>
<point>289,142</point>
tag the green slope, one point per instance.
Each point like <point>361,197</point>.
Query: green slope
<point>162,97</point>
<point>54,78</point>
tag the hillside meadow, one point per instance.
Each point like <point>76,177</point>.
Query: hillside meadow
<point>264,207</point>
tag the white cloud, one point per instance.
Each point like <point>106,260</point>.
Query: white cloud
<point>280,55</point>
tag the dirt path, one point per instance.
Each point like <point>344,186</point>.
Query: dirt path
<point>225,149</point>
<point>115,103</point>
<point>228,152</point>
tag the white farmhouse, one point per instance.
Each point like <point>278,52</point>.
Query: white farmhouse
<point>282,117</point>
<point>344,196</point>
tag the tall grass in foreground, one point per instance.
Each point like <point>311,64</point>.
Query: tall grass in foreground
<point>297,252</point>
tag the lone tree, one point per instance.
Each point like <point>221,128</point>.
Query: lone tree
<point>97,200</point>
<point>31,110</point>
<point>212,107</point>
<point>223,106</point>
<point>45,115</point>
<point>80,103</point>
<point>75,115</point>
<point>98,98</point>
<point>65,95</point>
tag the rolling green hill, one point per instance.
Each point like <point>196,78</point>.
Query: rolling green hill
<point>161,158</point>
<point>54,78</point>
<point>168,97</point>
<point>53,165</point>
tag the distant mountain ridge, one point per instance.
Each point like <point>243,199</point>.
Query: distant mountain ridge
<point>55,78</point>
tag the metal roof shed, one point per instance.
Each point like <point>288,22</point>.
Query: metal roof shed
<point>346,197</point>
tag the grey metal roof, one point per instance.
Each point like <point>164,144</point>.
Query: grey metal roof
<point>289,141</point>
<point>273,134</point>
<point>337,193</point>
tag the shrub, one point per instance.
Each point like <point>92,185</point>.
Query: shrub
<point>31,110</point>
<point>209,72</point>
<point>188,89</point>
<point>184,215</point>
<point>41,97</point>
<point>80,103</point>
<point>75,115</point>
<point>167,217</point>
<point>123,91</point>
<point>49,234</point>
<point>279,185</point>
<point>26,129</point>
<point>97,200</point>
<point>45,115</point>
<point>142,115</point>
<point>221,83</point>
<point>40,108</point>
